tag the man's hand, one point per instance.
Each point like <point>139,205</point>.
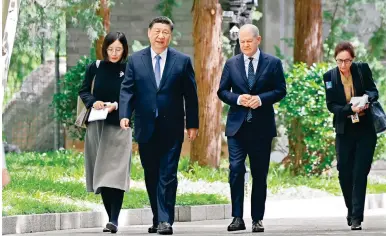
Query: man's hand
<point>244,99</point>
<point>98,105</point>
<point>192,133</point>
<point>125,123</point>
<point>254,102</point>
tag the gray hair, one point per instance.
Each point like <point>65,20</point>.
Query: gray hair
<point>251,28</point>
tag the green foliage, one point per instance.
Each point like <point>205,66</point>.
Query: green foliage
<point>39,23</point>
<point>166,7</point>
<point>40,181</point>
<point>195,172</point>
<point>280,178</point>
<point>380,150</point>
<point>65,101</point>
<point>339,16</point>
<point>191,171</point>
<point>21,65</point>
<point>23,203</point>
<point>189,199</point>
<point>307,119</point>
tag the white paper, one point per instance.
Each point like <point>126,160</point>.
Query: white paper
<point>360,101</point>
<point>98,114</point>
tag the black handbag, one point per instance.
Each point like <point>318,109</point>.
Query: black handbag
<point>379,117</point>
<point>377,112</point>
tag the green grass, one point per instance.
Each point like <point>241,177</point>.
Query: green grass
<point>22,203</point>
<point>280,178</point>
<point>189,199</point>
<point>51,182</point>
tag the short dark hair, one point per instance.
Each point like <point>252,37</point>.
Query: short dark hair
<point>111,38</point>
<point>345,46</point>
<point>163,20</point>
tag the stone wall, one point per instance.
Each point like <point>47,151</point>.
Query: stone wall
<point>132,17</point>
<point>28,117</point>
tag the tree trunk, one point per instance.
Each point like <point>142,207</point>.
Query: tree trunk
<point>208,61</point>
<point>104,13</point>
<point>308,31</point>
<point>9,25</point>
<point>308,49</point>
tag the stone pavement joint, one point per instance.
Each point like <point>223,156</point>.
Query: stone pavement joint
<point>374,224</point>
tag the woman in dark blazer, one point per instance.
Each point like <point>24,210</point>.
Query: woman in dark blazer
<point>107,148</point>
<point>355,133</point>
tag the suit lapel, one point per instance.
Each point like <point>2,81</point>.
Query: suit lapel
<point>170,60</point>
<point>146,59</point>
<point>241,66</point>
<point>262,64</point>
<point>339,86</point>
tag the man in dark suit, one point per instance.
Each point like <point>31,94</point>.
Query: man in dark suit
<point>159,83</point>
<point>251,83</point>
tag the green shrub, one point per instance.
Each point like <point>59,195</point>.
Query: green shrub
<point>65,101</point>
<point>308,122</point>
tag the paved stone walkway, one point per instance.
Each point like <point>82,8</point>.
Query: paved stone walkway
<point>375,224</point>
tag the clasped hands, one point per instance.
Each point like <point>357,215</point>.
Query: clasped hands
<point>359,104</point>
<point>358,109</point>
<point>251,101</point>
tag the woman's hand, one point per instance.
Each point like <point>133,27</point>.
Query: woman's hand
<point>98,105</point>
<point>357,109</point>
<point>111,108</point>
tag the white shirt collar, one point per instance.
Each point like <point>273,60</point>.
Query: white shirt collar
<point>162,54</point>
<point>255,56</point>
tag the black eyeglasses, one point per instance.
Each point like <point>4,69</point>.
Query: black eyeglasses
<point>346,61</point>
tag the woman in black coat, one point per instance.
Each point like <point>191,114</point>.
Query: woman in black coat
<point>355,133</point>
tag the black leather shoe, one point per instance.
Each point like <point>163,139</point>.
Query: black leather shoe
<point>349,220</point>
<point>112,227</point>
<point>105,230</point>
<point>152,229</point>
<point>257,226</point>
<point>164,228</point>
<point>237,224</point>
<point>356,225</point>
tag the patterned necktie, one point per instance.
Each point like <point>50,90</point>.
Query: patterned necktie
<point>251,80</point>
<point>157,70</point>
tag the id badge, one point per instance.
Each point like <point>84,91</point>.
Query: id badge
<point>355,118</point>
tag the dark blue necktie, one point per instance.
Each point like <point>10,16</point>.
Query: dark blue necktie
<point>251,80</point>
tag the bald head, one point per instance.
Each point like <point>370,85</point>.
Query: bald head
<point>250,28</point>
<point>249,39</point>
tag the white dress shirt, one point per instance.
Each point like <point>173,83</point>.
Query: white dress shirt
<point>162,60</point>
<point>255,63</point>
